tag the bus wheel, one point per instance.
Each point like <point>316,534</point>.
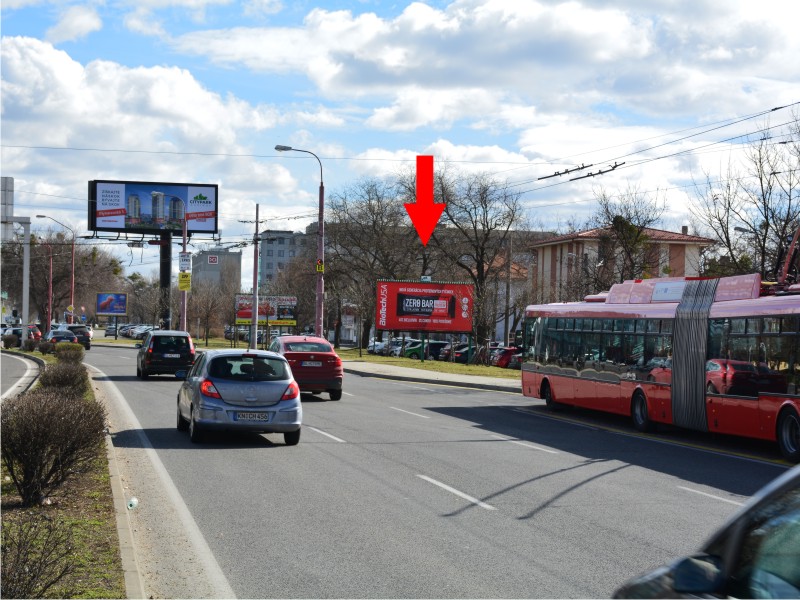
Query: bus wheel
<point>641,419</point>
<point>547,394</point>
<point>789,434</point>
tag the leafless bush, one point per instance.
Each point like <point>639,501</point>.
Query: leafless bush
<point>69,378</point>
<point>29,345</point>
<point>48,436</point>
<point>10,341</point>
<point>69,352</point>
<point>36,554</point>
<point>46,347</point>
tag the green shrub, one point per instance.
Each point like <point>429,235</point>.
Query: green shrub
<point>46,347</point>
<point>68,378</point>
<point>48,436</point>
<point>30,345</point>
<point>69,352</point>
<point>10,341</point>
<point>36,554</point>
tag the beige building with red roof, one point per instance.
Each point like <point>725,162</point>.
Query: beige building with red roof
<point>570,266</point>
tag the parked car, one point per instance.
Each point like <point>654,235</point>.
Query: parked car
<point>756,554</point>
<point>314,363</point>
<point>431,349</point>
<point>742,378</point>
<point>36,333</point>
<point>111,331</point>
<point>21,333</point>
<point>502,356</point>
<point>57,336</point>
<point>80,331</point>
<point>239,390</point>
<point>164,351</point>
<point>398,349</point>
<point>515,362</point>
<point>463,353</point>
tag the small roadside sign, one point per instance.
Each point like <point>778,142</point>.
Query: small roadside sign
<point>184,282</point>
<point>185,261</point>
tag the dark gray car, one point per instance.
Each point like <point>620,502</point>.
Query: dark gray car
<point>164,351</point>
<point>755,555</point>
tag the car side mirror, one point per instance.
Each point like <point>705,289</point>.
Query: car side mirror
<point>699,574</point>
<point>181,374</point>
<point>137,345</point>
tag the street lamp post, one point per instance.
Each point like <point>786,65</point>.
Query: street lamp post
<point>320,242</point>
<point>72,271</point>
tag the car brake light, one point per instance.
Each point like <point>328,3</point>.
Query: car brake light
<point>207,389</point>
<point>292,391</point>
<point>335,361</point>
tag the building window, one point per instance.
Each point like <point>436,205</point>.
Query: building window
<point>269,266</point>
<point>269,251</point>
<point>280,266</point>
<point>281,241</point>
<point>280,252</point>
<point>291,253</point>
<point>291,241</point>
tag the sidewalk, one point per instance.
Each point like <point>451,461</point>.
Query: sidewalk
<point>370,369</point>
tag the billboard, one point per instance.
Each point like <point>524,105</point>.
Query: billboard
<point>111,304</point>
<point>272,310</point>
<point>424,306</point>
<point>148,207</point>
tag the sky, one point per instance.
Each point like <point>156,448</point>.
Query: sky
<point>656,94</point>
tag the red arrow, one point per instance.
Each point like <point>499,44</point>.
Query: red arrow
<point>424,213</point>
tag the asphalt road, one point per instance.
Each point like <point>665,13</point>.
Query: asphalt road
<point>409,490</point>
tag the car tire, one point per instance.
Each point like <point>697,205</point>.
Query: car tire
<point>788,434</point>
<point>182,424</point>
<point>335,394</point>
<point>639,413</point>
<point>138,371</point>
<point>291,438</point>
<point>195,431</point>
<point>144,374</point>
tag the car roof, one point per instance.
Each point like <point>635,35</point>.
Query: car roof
<point>240,351</point>
<point>302,338</point>
<point>169,332</point>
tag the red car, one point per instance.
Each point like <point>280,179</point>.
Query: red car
<point>742,378</point>
<point>502,357</point>
<point>315,365</point>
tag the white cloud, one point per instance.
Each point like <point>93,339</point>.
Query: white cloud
<point>261,8</point>
<point>75,22</point>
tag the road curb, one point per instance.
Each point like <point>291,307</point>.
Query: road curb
<point>420,379</point>
<point>134,584</point>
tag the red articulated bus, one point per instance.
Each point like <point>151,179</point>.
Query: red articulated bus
<point>705,354</point>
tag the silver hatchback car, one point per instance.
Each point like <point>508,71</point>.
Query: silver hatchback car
<point>240,390</point>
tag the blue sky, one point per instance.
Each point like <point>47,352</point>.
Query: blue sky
<point>202,90</point>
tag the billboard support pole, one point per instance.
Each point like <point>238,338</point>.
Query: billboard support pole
<point>184,326</point>
<point>166,278</point>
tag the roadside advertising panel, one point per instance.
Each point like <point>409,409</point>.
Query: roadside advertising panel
<point>151,207</point>
<point>111,304</point>
<point>424,306</point>
<point>272,310</point>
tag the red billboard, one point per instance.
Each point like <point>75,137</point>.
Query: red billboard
<point>424,306</point>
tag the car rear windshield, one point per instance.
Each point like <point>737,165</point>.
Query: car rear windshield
<point>308,347</point>
<point>171,343</point>
<point>247,368</point>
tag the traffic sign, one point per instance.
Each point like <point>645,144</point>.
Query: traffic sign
<point>320,266</point>
<point>184,282</point>
<point>185,261</point>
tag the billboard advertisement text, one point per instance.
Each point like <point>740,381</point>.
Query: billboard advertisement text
<point>111,304</point>
<point>272,310</point>
<point>423,306</point>
<point>145,207</point>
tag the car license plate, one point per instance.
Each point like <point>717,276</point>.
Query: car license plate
<point>172,356</point>
<point>312,363</point>
<point>250,416</point>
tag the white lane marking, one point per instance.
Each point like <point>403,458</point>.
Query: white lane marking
<point>125,357</point>
<point>333,437</point>
<point>680,487</point>
<point>410,413</point>
<point>348,393</point>
<point>406,385</point>
<point>222,589</point>
<point>458,493</point>
<point>526,444</point>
